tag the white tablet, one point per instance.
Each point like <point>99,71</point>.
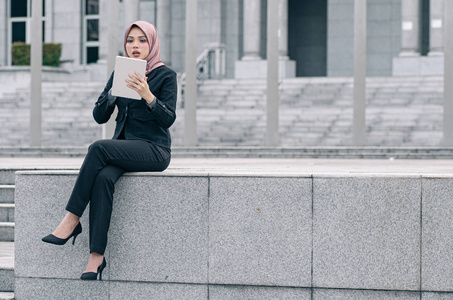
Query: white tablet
<point>123,67</point>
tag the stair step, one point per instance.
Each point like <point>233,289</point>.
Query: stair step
<point>6,212</point>
<point>6,231</point>
<point>6,268</point>
<point>7,193</point>
<point>6,296</point>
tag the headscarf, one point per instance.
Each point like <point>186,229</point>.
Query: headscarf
<point>153,59</point>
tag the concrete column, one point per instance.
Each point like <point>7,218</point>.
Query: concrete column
<point>164,30</point>
<point>272,73</point>
<point>448,74</point>
<point>104,23</point>
<point>410,34</point>
<point>131,11</point>
<point>436,29</point>
<point>190,93</point>
<point>36,73</point>
<point>252,26</point>
<point>359,124</point>
<point>283,29</point>
<point>112,51</point>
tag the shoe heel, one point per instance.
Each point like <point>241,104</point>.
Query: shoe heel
<point>100,275</point>
<point>73,240</point>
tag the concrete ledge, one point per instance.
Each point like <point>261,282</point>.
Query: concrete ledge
<point>187,234</point>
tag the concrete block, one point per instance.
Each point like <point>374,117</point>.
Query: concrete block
<point>406,66</point>
<point>48,288</point>
<point>221,292</point>
<point>327,294</point>
<point>432,65</point>
<point>161,291</point>
<point>437,240</point>
<point>437,296</point>
<point>40,206</point>
<point>159,229</point>
<point>260,231</point>
<point>366,233</point>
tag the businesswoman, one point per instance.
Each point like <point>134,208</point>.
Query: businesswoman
<point>141,143</point>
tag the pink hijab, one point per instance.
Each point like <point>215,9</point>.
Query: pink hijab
<point>153,59</point>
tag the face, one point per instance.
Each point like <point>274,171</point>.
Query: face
<point>137,44</point>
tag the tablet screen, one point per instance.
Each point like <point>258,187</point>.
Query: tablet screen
<point>123,67</point>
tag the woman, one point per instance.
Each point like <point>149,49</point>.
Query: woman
<point>141,143</point>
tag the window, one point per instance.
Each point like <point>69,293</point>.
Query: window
<point>20,22</point>
<point>91,31</point>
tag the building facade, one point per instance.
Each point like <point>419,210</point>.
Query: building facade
<point>404,37</point>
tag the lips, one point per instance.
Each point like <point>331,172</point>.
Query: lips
<point>135,53</point>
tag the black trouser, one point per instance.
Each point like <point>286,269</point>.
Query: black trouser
<point>104,164</point>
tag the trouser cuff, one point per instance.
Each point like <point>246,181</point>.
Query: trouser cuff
<point>74,210</point>
<point>98,249</point>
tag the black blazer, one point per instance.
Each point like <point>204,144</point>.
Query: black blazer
<point>138,120</point>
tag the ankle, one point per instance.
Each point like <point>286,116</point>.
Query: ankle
<point>71,219</point>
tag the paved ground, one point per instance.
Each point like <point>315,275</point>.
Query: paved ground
<point>263,165</point>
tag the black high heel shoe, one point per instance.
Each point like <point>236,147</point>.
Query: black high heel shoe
<point>92,275</point>
<point>57,241</point>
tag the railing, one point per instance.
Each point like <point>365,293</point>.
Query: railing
<point>210,65</point>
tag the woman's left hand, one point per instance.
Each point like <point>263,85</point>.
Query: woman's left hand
<point>139,84</point>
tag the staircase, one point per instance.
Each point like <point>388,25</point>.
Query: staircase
<point>6,234</point>
<point>401,111</point>
<point>7,206</point>
<point>66,114</point>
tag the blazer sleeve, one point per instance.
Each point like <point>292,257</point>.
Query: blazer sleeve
<point>105,105</point>
<point>165,107</point>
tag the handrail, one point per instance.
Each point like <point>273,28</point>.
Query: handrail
<point>210,65</point>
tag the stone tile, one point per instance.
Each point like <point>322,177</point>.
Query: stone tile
<point>45,289</point>
<point>366,233</point>
<point>161,232</point>
<point>437,296</point>
<point>328,294</point>
<point>437,239</point>
<point>40,206</point>
<point>161,291</point>
<point>260,231</point>
<point>220,292</point>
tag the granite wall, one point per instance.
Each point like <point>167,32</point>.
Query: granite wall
<point>187,234</point>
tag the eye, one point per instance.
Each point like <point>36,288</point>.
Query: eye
<point>129,40</point>
<point>143,40</point>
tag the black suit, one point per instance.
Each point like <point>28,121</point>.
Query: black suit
<point>141,143</point>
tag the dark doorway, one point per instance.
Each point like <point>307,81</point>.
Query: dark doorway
<point>424,25</point>
<point>307,36</point>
